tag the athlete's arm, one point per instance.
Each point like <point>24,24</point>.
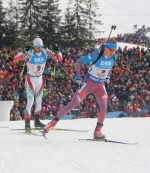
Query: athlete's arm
<point>91,57</point>
<point>51,54</point>
<point>21,56</point>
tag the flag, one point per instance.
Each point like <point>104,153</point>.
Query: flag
<point>58,56</point>
<point>113,98</point>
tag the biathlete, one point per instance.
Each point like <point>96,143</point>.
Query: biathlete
<point>36,60</point>
<point>94,82</point>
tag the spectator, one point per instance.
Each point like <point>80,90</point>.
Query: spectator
<point>16,114</point>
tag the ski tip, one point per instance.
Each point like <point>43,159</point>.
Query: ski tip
<point>44,134</point>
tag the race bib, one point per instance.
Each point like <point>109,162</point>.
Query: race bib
<point>35,70</point>
<point>98,72</point>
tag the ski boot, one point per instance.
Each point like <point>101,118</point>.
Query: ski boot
<point>97,133</point>
<point>37,122</point>
<point>27,126</point>
<point>51,124</point>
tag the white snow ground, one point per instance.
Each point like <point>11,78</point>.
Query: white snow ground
<point>64,153</point>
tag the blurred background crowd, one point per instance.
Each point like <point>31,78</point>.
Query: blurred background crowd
<point>128,88</point>
<point>140,37</point>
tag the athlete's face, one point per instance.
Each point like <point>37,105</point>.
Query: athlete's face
<point>38,50</point>
<point>109,52</point>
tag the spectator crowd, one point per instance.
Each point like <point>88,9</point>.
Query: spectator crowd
<point>128,87</point>
<point>139,37</point>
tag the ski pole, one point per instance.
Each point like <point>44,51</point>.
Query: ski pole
<point>53,58</point>
<point>112,28</point>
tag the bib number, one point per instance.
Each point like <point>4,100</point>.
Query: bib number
<point>38,69</point>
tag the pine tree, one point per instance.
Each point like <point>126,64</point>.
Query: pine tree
<point>80,22</point>
<point>50,22</point>
<point>78,15</point>
<point>67,28</point>
<point>32,18</point>
<point>2,24</point>
<point>93,22</point>
<point>28,11</point>
<point>10,38</point>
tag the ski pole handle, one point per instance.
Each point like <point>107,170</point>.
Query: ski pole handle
<point>113,27</point>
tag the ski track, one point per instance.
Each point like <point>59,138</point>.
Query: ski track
<point>63,152</point>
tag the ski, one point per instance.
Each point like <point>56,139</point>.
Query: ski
<point>54,129</point>
<point>69,130</point>
<point>39,128</point>
<point>111,141</point>
<point>30,133</point>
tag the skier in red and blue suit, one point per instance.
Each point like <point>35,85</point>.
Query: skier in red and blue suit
<point>94,82</point>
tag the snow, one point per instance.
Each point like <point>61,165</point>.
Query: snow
<point>122,45</point>
<point>63,152</point>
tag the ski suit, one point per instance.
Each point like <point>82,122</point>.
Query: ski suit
<point>34,81</point>
<point>94,82</point>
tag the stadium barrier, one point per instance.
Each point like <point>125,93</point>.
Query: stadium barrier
<point>118,114</point>
<point>5,107</point>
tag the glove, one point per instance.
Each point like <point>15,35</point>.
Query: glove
<point>56,48</point>
<point>50,53</point>
<point>27,48</point>
<point>78,82</point>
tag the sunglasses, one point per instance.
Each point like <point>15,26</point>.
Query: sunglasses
<point>111,50</point>
<point>38,47</point>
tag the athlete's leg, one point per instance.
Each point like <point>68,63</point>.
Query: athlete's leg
<point>30,89</point>
<point>38,95</point>
<point>102,99</point>
<point>38,100</point>
<point>78,96</point>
